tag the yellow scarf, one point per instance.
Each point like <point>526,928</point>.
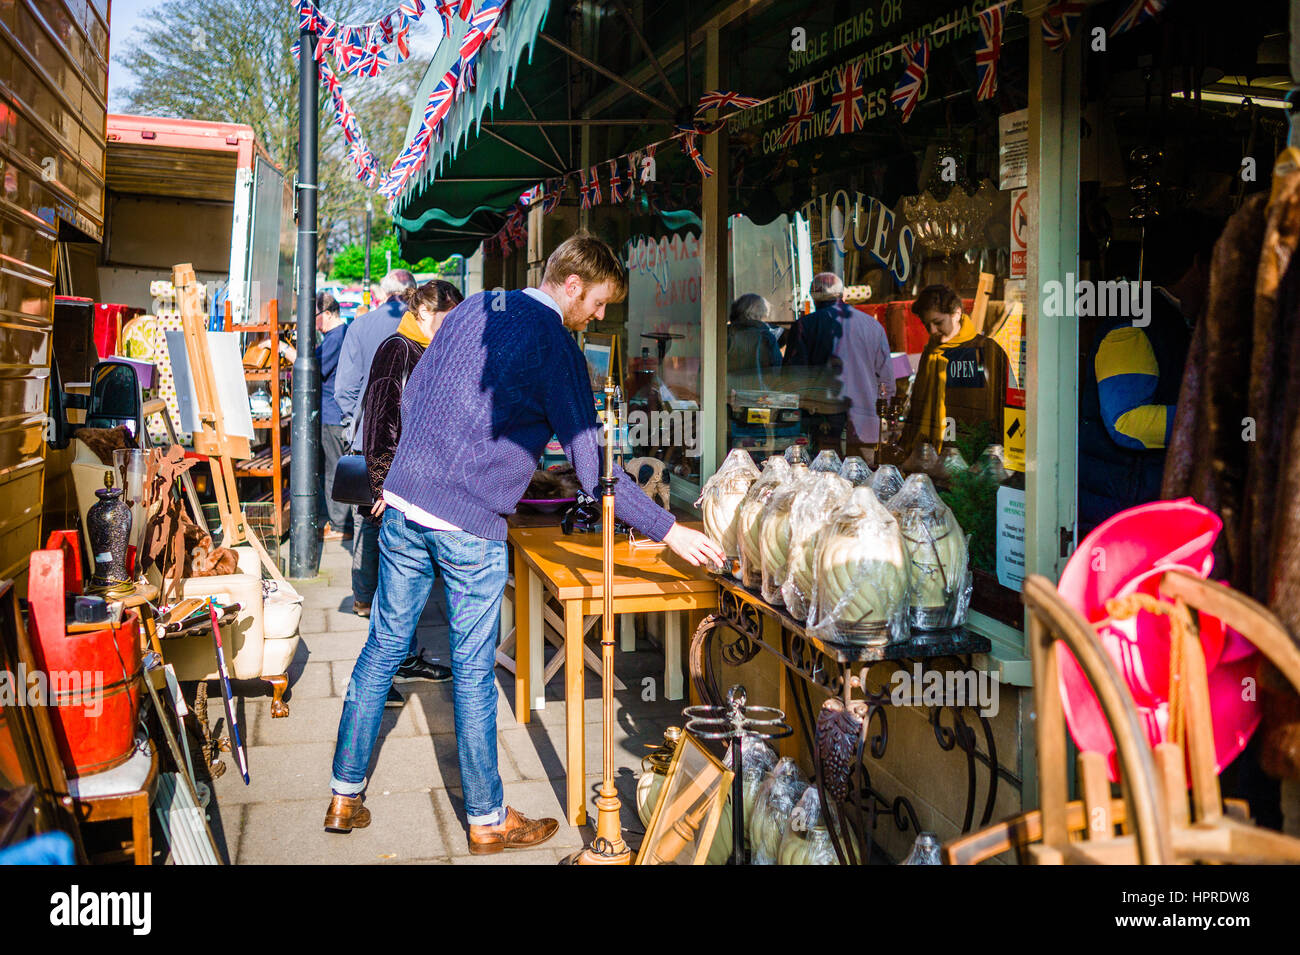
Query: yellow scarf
<point>925,417</point>
<point>410,328</point>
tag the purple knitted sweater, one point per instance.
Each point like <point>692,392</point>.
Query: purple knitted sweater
<point>481,404</point>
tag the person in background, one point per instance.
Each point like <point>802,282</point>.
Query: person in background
<point>502,376</point>
<point>333,439</point>
<point>1132,375</point>
<point>847,351</point>
<point>359,346</point>
<point>751,344</point>
<point>961,379</point>
<point>381,418</point>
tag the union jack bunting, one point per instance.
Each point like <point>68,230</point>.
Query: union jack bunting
<point>411,10</point>
<point>584,193</point>
<point>721,99</point>
<point>1059,21</point>
<point>386,28</point>
<point>465,7</point>
<point>402,42</point>
<point>481,27</point>
<point>551,197</point>
<point>349,48</point>
<point>908,91</point>
<point>310,20</point>
<point>848,100</point>
<point>799,126</point>
<point>446,12</point>
<point>593,185</point>
<point>615,182</point>
<point>529,196</point>
<point>986,57</point>
<point>1138,12</point>
<point>373,61</point>
<point>690,146</point>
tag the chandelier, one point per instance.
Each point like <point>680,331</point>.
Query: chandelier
<point>948,225</point>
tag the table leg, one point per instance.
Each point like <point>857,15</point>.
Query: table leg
<point>673,656</point>
<point>627,633</point>
<point>574,705</point>
<point>536,651</point>
<point>523,637</point>
<point>506,643</point>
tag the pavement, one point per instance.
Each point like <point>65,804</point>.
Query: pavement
<point>414,791</point>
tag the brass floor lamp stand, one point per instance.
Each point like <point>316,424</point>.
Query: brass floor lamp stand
<point>608,848</point>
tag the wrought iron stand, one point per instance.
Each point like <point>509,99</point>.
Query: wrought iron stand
<point>735,721</point>
<point>852,803</point>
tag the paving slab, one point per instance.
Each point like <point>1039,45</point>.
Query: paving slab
<point>403,826</point>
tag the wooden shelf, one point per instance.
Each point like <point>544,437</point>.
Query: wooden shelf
<point>266,424</point>
<point>262,465</point>
<point>270,462</point>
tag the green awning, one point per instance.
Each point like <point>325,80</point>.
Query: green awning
<point>481,174</point>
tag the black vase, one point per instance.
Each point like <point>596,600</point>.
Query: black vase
<point>108,526</point>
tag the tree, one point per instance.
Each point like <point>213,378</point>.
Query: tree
<point>350,262</point>
<point>230,61</point>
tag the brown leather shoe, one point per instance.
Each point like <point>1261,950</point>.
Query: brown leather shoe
<point>517,832</point>
<point>346,813</point>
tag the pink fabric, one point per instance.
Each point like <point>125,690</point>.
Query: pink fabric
<point>1127,554</point>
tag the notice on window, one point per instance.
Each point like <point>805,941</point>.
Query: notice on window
<point>1013,439</point>
<point>1011,537</point>
<point>1019,233</point>
<point>1013,150</point>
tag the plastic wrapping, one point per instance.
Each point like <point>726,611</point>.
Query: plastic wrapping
<point>759,759</point>
<point>992,463</point>
<point>776,471</point>
<point>925,851</point>
<point>806,840</point>
<point>951,463</point>
<point>855,471</point>
<point>937,551</point>
<point>776,799</point>
<point>827,461</point>
<point>887,482</point>
<point>774,528</point>
<point>811,511</point>
<point>797,454</point>
<point>719,503</point>
<point>861,583</point>
<point>923,459</point>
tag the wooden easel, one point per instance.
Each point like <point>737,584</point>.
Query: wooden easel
<point>211,439</point>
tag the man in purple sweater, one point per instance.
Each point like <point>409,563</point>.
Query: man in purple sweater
<point>502,375</point>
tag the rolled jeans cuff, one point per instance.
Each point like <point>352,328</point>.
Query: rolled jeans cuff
<point>346,789</point>
<point>494,818</point>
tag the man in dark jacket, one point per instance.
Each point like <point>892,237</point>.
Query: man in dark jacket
<point>333,433</point>
<point>359,347</point>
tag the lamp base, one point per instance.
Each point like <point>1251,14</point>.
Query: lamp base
<point>600,852</point>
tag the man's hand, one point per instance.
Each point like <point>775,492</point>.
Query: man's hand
<point>692,546</point>
<point>378,508</point>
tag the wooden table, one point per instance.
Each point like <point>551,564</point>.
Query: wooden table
<point>568,567</point>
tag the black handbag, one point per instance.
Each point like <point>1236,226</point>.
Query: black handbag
<point>352,481</point>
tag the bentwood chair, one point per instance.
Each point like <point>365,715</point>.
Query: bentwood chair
<point>1155,822</point>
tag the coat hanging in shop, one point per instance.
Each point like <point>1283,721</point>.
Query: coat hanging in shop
<point>1236,440</point>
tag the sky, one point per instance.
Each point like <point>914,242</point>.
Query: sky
<point>128,14</point>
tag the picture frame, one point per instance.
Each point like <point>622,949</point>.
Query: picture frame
<point>690,803</point>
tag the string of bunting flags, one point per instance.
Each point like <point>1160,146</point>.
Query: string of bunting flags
<point>365,50</point>
<point>848,105</point>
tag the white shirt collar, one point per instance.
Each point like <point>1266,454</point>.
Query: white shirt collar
<point>545,299</point>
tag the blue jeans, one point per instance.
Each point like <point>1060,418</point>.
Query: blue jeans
<point>365,556</point>
<point>474,573</point>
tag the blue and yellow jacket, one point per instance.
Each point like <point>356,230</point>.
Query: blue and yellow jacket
<point>1130,389</point>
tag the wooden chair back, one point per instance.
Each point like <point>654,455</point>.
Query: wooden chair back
<point>1051,622</point>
